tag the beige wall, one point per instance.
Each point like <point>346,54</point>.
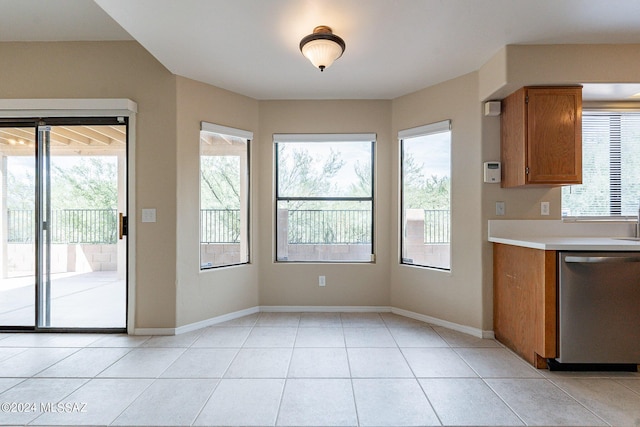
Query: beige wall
<point>347,284</point>
<point>454,296</point>
<point>516,66</point>
<point>172,292</point>
<point>118,70</point>
<point>543,65</point>
<point>207,294</point>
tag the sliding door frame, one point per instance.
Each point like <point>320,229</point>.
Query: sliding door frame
<point>21,109</point>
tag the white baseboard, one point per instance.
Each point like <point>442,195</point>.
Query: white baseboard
<point>218,319</point>
<point>479,333</point>
<point>489,335</point>
<point>197,325</point>
<point>154,331</point>
<point>324,309</point>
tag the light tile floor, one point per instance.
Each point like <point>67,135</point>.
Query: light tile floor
<point>309,369</point>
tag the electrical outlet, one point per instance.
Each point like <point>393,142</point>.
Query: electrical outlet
<point>322,281</point>
<point>499,208</point>
<point>544,208</point>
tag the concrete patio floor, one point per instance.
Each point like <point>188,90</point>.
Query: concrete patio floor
<point>79,300</point>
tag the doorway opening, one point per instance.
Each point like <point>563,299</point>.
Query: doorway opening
<point>63,207</point>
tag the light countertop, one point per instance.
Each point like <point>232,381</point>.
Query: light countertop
<point>570,243</point>
<point>558,236</point>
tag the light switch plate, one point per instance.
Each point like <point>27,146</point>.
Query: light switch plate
<point>499,208</point>
<point>148,215</point>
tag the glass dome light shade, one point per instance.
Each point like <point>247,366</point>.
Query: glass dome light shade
<point>322,47</point>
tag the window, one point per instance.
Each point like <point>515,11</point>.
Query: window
<point>426,195</point>
<point>324,197</point>
<point>224,196</point>
<point>610,167</point>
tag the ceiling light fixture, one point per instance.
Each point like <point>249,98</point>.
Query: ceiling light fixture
<point>322,47</point>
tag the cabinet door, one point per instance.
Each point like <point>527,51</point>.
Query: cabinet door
<point>524,301</point>
<point>554,135</point>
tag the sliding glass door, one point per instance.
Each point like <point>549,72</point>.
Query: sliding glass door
<point>64,237</point>
<point>18,224</point>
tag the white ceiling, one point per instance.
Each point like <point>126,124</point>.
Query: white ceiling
<point>394,47</point>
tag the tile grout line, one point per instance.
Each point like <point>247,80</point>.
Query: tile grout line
<point>578,401</point>
<point>457,353</point>
<point>415,377</point>
<point>504,401</point>
<point>617,380</point>
<point>55,363</point>
<point>286,378</point>
<point>66,396</point>
<point>387,327</point>
<point>116,361</point>
<point>14,355</point>
<point>239,349</point>
<point>135,399</point>
<point>151,383</point>
<point>206,401</point>
<point>353,390</point>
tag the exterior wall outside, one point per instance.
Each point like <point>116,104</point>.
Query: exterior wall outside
<point>416,250</point>
<point>322,253</point>
<point>434,255</point>
<point>81,258</point>
<point>230,253</point>
<point>314,252</point>
<point>219,253</point>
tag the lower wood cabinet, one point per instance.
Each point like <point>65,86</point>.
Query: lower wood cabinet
<point>525,301</point>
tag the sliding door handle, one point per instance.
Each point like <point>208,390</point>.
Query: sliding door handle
<point>123,226</point>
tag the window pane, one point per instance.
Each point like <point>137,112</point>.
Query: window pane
<point>324,201</point>
<point>426,200</point>
<point>611,167</point>
<point>223,200</point>
<point>630,164</point>
<point>324,169</point>
<point>324,230</point>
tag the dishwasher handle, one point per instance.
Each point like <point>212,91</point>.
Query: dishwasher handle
<point>601,259</point>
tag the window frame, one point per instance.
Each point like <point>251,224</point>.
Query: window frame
<point>605,110</point>
<point>324,138</point>
<point>420,131</point>
<point>211,128</point>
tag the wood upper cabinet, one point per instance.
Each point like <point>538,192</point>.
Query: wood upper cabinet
<point>541,136</point>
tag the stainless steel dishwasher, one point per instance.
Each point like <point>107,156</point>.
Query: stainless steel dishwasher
<point>599,307</point>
